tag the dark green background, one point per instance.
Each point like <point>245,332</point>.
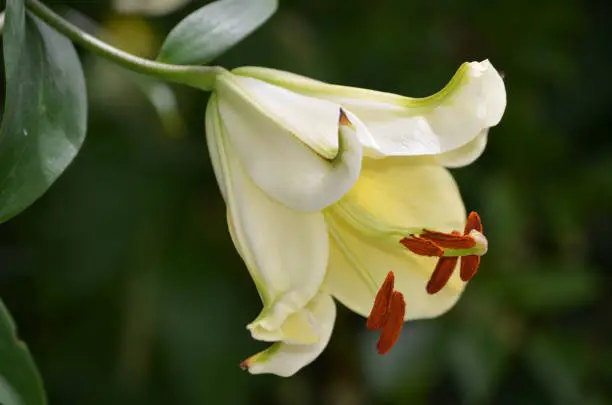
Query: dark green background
<point>124,282</point>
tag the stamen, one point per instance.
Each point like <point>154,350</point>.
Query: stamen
<point>422,247</point>
<point>449,240</point>
<point>382,304</point>
<point>473,223</point>
<point>442,273</point>
<point>469,267</point>
<point>394,324</point>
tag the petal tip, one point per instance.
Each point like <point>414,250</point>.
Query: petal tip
<point>344,120</point>
<point>246,365</point>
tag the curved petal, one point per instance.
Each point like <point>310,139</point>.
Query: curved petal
<point>466,154</point>
<point>367,141</point>
<point>215,144</point>
<point>286,359</point>
<point>398,193</point>
<point>292,146</point>
<point>285,250</point>
<point>474,99</point>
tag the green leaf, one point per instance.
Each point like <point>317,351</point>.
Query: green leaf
<point>45,117</point>
<point>20,383</point>
<point>213,29</point>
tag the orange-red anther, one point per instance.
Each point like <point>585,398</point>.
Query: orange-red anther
<point>473,223</point>
<point>434,243</point>
<point>387,313</point>
<point>422,247</point>
<point>469,267</point>
<point>449,240</point>
<point>382,302</point>
<point>441,274</point>
<point>394,324</point>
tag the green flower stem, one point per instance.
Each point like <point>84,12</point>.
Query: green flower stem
<point>201,77</point>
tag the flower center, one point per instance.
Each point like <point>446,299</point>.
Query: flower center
<point>389,306</point>
<point>449,247</point>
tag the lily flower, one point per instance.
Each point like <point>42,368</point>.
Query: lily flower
<point>321,192</point>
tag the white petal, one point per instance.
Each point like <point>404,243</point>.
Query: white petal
<point>466,154</point>
<point>292,146</point>
<point>475,99</point>
<point>395,193</point>
<point>367,141</point>
<point>312,121</point>
<point>285,250</point>
<point>215,144</point>
<point>285,359</point>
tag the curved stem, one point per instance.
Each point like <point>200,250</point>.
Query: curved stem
<point>202,77</point>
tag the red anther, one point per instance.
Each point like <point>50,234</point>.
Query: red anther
<point>394,324</point>
<point>469,267</point>
<point>422,247</point>
<point>382,302</point>
<point>473,223</point>
<point>449,240</point>
<point>441,274</point>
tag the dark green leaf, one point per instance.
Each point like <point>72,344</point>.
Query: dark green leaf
<point>46,109</point>
<point>213,29</point>
<point>20,383</point>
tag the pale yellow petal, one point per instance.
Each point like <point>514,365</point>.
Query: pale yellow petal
<point>285,359</point>
<point>285,250</point>
<point>291,145</point>
<point>472,101</point>
<point>466,154</point>
<point>409,193</point>
<point>398,193</point>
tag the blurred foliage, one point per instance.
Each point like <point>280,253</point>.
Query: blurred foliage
<point>126,287</point>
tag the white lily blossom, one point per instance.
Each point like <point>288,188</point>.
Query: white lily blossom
<point>328,188</point>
